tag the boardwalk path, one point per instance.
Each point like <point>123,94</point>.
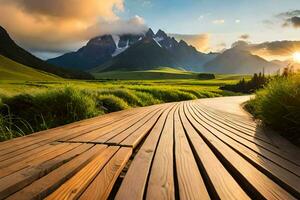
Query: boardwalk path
<point>204,149</point>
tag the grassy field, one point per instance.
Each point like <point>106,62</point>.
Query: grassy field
<point>157,74</point>
<point>30,106</point>
<point>11,70</point>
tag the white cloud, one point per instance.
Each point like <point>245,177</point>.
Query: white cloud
<point>218,21</point>
<point>237,21</point>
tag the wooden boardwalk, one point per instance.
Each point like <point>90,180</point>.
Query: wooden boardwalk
<point>204,149</point>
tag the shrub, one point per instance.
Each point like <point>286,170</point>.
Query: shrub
<point>168,95</point>
<point>111,103</point>
<point>278,105</point>
<point>257,82</point>
<point>125,94</point>
<point>49,109</point>
<point>204,76</point>
<point>146,99</point>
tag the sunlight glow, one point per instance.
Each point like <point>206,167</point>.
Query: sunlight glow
<point>296,57</point>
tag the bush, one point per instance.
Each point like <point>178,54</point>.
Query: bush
<point>49,109</point>
<point>278,105</point>
<point>111,103</point>
<point>257,82</point>
<point>146,99</point>
<point>203,76</point>
<point>168,95</point>
<point>125,94</point>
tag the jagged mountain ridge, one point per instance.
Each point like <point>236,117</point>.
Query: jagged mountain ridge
<point>101,51</point>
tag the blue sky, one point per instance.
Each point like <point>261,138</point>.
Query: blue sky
<point>52,27</point>
<point>224,20</point>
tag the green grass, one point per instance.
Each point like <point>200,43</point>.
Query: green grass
<point>159,73</point>
<point>278,106</point>
<point>30,106</point>
<point>11,70</point>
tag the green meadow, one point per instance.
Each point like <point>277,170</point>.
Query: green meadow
<point>30,106</point>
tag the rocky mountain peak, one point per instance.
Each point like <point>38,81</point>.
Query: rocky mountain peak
<point>101,41</point>
<point>150,33</point>
<point>161,34</point>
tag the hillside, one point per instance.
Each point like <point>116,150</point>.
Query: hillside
<point>155,74</point>
<point>238,61</point>
<point>11,70</point>
<point>11,50</point>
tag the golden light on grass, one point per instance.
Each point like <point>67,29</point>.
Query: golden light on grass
<point>296,57</point>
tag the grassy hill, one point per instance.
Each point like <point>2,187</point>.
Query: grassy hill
<point>155,74</point>
<point>11,50</point>
<point>11,70</point>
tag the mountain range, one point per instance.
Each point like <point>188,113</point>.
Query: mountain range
<point>10,50</point>
<point>129,52</point>
<point>151,50</point>
<point>133,52</point>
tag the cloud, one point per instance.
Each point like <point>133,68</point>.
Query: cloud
<point>245,37</point>
<point>60,25</point>
<point>290,18</point>
<point>237,21</point>
<point>218,21</point>
<point>199,41</point>
<point>283,48</point>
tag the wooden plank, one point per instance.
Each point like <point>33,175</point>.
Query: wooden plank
<point>223,185</point>
<point>69,130</point>
<point>255,133</point>
<point>26,155</point>
<point>74,187</point>
<point>137,136</point>
<point>50,182</point>
<point>102,185</point>
<point>138,131</point>
<point>37,159</point>
<point>287,179</point>
<point>190,182</point>
<point>161,180</point>
<point>117,137</point>
<point>137,173</point>
<point>262,149</point>
<point>257,184</point>
<point>24,177</point>
<point>113,129</point>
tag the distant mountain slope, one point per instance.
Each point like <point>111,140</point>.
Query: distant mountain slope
<point>157,74</point>
<point>10,49</point>
<point>11,70</point>
<point>103,50</point>
<point>144,55</point>
<point>239,61</point>
<point>96,52</point>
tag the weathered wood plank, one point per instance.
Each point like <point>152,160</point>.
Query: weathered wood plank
<point>190,182</point>
<point>223,184</point>
<point>112,129</point>
<point>137,173</point>
<point>50,182</point>
<point>74,187</point>
<point>102,185</point>
<point>262,149</point>
<point>255,182</point>
<point>117,138</point>
<point>161,180</point>
<point>285,178</point>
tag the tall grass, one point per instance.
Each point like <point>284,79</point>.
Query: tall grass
<point>25,113</point>
<point>111,103</point>
<point>278,105</point>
